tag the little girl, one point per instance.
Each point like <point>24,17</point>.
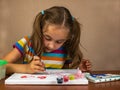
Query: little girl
<point>54,43</point>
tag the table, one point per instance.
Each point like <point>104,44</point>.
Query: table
<point>114,85</point>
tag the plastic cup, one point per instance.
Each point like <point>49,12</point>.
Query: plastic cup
<point>2,69</point>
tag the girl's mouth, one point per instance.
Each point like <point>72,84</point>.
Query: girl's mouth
<point>48,50</point>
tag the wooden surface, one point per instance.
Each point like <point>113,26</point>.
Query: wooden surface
<point>114,85</point>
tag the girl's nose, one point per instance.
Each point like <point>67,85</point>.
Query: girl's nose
<point>51,45</point>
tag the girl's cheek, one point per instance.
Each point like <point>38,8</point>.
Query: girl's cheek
<point>45,41</point>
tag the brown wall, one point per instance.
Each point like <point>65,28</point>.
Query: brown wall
<point>100,21</point>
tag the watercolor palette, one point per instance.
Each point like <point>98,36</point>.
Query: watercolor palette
<point>98,78</point>
<point>49,77</point>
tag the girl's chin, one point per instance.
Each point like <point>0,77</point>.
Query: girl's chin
<point>46,50</point>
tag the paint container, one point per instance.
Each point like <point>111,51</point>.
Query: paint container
<point>59,79</point>
<point>2,69</point>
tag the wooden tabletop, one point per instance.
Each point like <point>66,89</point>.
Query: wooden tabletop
<point>113,85</point>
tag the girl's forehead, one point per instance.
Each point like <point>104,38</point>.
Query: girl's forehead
<point>56,31</point>
<point>53,26</point>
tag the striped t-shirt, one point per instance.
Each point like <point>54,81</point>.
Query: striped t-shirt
<point>54,59</point>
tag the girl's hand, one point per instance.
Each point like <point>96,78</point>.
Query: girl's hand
<point>85,65</point>
<point>35,66</point>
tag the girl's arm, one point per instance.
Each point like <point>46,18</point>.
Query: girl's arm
<point>34,66</point>
<point>11,58</point>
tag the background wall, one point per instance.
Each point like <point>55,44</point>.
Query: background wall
<point>100,21</point>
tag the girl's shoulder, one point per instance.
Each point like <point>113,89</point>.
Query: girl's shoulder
<point>22,44</point>
<point>24,40</point>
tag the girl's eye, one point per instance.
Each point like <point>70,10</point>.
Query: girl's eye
<point>59,42</point>
<point>47,38</point>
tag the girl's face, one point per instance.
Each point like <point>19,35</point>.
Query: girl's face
<point>54,37</point>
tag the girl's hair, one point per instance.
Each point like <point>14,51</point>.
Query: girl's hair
<point>58,16</point>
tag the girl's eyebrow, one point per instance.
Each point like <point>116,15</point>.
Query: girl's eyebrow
<point>47,36</point>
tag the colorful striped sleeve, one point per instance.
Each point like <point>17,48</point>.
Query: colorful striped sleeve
<point>21,44</point>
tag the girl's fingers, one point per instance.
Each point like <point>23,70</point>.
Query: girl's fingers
<point>39,65</point>
<point>38,68</point>
<point>89,67</point>
<point>36,57</point>
<point>87,64</point>
<point>38,62</point>
<point>36,65</point>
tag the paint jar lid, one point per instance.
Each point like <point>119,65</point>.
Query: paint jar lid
<point>3,62</point>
